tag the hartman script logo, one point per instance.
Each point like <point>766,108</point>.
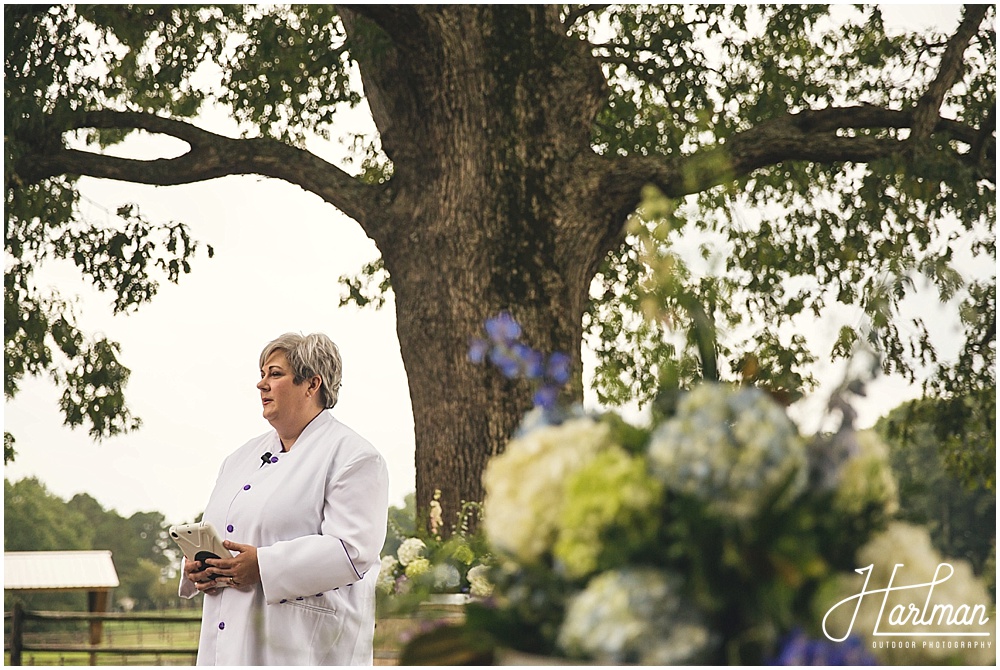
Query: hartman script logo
<point>913,611</point>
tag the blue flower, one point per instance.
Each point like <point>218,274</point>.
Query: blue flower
<point>534,363</point>
<point>516,359</point>
<point>798,649</point>
<point>509,366</point>
<point>502,328</point>
<point>558,369</point>
<point>546,397</point>
<point>478,349</point>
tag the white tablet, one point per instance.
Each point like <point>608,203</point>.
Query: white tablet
<point>199,541</point>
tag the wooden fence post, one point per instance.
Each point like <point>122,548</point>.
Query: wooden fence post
<point>16,633</point>
<point>97,603</point>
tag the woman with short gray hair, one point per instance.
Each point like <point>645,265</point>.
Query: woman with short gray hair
<point>310,355</point>
<point>304,507</point>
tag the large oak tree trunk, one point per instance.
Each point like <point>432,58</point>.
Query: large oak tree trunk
<point>496,216</point>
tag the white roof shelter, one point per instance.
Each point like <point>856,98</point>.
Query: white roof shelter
<point>59,570</point>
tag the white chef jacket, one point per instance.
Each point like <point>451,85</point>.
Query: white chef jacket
<point>317,515</point>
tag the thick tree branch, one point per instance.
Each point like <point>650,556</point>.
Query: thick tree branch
<point>806,136</point>
<point>809,136</point>
<point>815,136</point>
<point>949,72</point>
<point>389,84</point>
<point>210,156</point>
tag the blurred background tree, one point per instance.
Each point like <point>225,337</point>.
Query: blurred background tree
<point>947,495</point>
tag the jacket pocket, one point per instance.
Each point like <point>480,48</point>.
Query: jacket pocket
<point>313,607</point>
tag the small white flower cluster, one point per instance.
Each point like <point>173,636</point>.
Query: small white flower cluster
<point>525,485</point>
<point>732,446</point>
<point>910,547</point>
<point>479,583</point>
<point>866,478</point>
<point>633,615</point>
<point>386,582</point>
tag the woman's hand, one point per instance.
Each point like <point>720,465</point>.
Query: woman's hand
<point>203,581</point>
<point>241,570</point>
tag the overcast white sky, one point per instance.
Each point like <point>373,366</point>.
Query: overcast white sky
<point>193,350</point>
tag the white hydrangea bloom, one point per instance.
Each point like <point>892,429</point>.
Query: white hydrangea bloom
<point>633,615</point>
<point>911,547</point>
<point>388,565</point>
<point>867,478</point>
<point>479,583</point>
<point>524,485</point>
<point>387,575</point>
<point>446,576</point>
<point>731,446</point>
<point>411,549</point>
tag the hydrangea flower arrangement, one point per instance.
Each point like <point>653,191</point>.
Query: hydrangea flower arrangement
<point>718,535</point>
<point>430,563</point>
<point>702,539</point>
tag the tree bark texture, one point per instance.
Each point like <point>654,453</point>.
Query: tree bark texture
<point>490,212</point>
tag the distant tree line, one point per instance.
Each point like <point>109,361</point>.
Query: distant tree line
<point>943,453</point>
<point>37,520</point>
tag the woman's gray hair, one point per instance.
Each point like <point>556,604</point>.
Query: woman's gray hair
<point>309,356</point>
